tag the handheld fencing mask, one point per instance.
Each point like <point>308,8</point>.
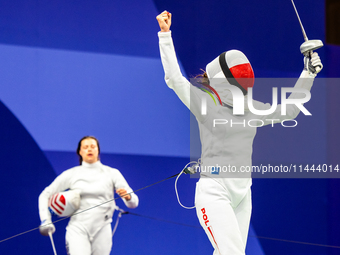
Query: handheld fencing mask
<point>64,203</point>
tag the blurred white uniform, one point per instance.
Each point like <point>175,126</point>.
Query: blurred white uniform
<point>89,232</point>
<point>223,202</point>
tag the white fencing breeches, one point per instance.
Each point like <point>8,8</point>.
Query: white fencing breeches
<point>78,241</point>
<point>226,226</point>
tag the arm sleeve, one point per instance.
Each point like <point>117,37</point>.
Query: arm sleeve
<point>121,183</point>
<point>305,81</point>
<point>188,94</point>
<point>61,183</point>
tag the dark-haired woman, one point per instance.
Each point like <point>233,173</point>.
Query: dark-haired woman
<point>88,232</point>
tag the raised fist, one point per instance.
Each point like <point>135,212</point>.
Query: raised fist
<point>164,21</point>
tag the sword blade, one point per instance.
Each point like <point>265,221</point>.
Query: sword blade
<point>303,30</point>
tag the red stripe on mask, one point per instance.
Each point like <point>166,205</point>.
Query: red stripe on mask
<point>55,203</point>
<point>62,199</point>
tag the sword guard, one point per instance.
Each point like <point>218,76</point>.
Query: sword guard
<point>309,46</point>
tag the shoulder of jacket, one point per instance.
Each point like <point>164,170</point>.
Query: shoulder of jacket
<point>110,169</point>
<point>71,170</point>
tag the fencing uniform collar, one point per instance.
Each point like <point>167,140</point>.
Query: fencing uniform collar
<point>93,165</point>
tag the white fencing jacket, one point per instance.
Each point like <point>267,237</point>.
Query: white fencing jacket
<point>223,145</point>
<point>96,183</point>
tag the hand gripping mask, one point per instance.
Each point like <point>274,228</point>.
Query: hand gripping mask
<point>64,203</point>
<point>235,67</point>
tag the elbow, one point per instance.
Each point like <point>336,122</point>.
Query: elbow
<point>168,82</point>
<point>172,82</point>
<point>292,113</point>
<point>43,196</point>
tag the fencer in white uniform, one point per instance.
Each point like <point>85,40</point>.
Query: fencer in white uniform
<point>223,199</point>
<point>88,231</point>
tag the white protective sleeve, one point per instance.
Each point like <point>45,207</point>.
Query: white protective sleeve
<point>185,91</point>
<point>121,183</point>
<point>75,178</point>
<point>61,183</point>
<point>188,94</point>
<point>305,82</point>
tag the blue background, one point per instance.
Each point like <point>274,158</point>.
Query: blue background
<point>75,68</point>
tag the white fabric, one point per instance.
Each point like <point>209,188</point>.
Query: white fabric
<point>79,243</point>
<point>220,219</point>
<point>223,88</point>
<point>96,183</point>
<point>213,69</point>
<point>235,57</point>
<point>222,146</point>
